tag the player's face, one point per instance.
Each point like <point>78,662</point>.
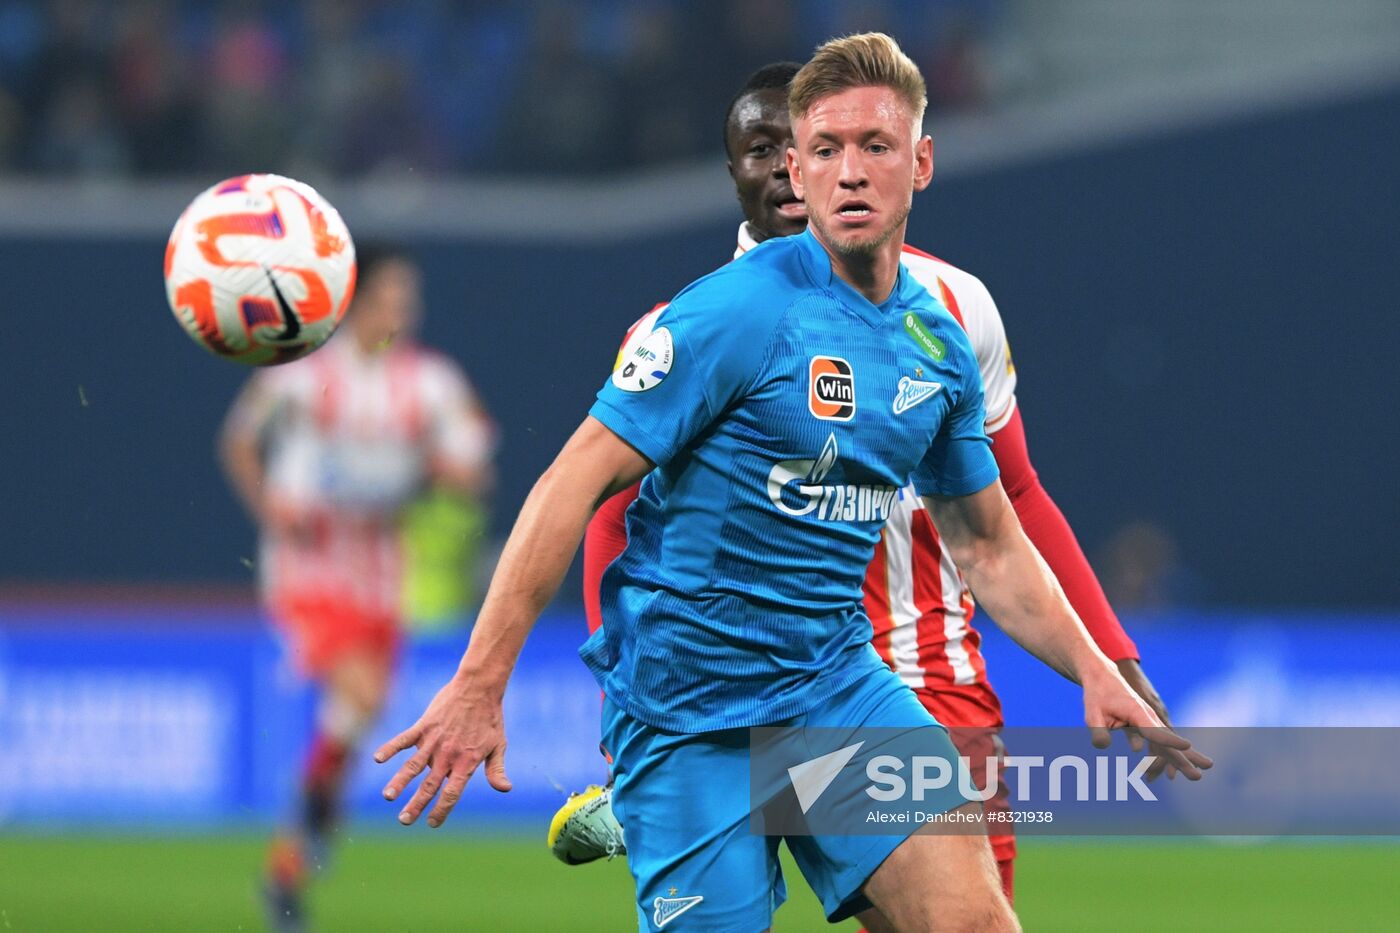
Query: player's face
<point>388,303</point>
<point>758,137</point>
<point>857,164</point>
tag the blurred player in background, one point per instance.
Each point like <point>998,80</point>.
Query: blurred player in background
<point>326,453</point>
<point>919,605</point>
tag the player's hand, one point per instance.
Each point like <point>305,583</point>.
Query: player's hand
<point>1136,678</point>
<point>462,728</point>
<point>1110,704</point>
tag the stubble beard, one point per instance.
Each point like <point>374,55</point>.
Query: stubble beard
<point>858,249</point>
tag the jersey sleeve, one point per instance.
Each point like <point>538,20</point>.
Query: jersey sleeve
<point>459,432</point>
<point>702,354</point>
<point>959,462</point>
<point>988,336</point>
<point>606,537</point>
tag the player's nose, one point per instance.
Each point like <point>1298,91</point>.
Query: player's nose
<point>852,169</point>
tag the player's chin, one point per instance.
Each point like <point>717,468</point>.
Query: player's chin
<point>867,238</point>
<point>864,243</point>
<point>787,223</point>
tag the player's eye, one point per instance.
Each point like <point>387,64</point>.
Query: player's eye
<point>825,152</point>
<point>878,148</point>
<point>760,150</point>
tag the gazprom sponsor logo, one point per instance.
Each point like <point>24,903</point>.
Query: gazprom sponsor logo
<point>797,488</point>
<point>856,503</point>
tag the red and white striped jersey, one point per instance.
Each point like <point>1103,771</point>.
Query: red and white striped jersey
<point>349,438</point>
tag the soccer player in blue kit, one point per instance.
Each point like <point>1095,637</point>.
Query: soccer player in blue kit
<point>776,410</point>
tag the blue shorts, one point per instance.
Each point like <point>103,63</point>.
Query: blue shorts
<point>684,803</point>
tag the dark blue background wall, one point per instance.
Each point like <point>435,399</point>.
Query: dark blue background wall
<point>1203,324</point>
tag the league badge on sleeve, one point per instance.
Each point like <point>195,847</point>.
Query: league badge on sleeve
<point>645,365</point>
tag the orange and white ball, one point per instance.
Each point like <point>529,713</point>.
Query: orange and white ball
<point>260,269</point>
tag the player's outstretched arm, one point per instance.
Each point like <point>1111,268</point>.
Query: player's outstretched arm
<point>1014,584</point>
<point>239,449</point>
<point>463,725</point>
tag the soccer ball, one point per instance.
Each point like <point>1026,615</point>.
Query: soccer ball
<point>259,269</point>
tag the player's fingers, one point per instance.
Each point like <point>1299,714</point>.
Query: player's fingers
<point>1189,761</point>
<point>496,769</point>
<point>451,793</point>
<point>1184,765</point>
<point>410,770</point>
<point>1134,739</point>
<point>1159,764</point>
<point>405,739</point>
<point>1164,737</point>
<point>1199,759</point>
<point>427,790</point>
<point>1099,736</point>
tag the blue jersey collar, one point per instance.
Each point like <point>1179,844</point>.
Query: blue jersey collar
<point>817,263</point>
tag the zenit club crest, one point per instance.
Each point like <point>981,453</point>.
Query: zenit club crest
<point>831,389</point>
<point>913,392</point>
<point>666,909</point>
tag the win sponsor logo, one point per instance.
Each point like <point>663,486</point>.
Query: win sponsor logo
<point>797,487</point>
<point>831,389</point>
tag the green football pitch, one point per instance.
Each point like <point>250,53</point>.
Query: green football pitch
<point>505,883</point>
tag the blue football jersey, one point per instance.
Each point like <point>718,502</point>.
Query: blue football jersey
<point>784,413</point>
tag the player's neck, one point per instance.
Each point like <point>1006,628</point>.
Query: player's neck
<point>872,274</point>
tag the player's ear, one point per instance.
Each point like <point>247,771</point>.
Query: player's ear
<point>794,171</point>
<point>923,163</point>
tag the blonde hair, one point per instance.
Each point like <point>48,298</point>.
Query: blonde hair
<point>869,59</point>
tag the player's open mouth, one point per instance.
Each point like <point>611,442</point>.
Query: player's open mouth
<point>854,211</point>
<point>791,206</point>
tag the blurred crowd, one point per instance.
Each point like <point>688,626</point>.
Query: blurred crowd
<point>353,87</point>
